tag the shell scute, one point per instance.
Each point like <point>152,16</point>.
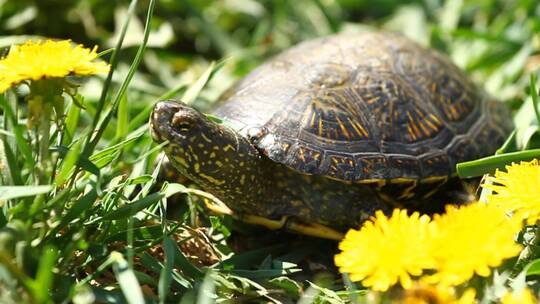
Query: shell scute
<point>330,115</point>
<point>409,166</point>
<point>342,167</point>
<point>398,109</point>
<point>462,148</point>
<point>327,75</point>
<point>307,159</point>
<point>436,164</point>
<point>371,167</point>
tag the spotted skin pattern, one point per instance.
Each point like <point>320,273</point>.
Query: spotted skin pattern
<point>335,128</point>
<point>231,168</point>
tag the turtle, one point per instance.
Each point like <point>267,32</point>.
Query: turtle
<point>324,134</point>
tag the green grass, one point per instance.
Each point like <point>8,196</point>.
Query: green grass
<point>101,228</point>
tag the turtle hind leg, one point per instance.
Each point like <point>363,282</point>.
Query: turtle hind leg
<point>293,225</point>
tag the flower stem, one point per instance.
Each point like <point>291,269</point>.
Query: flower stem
<point>44,137</point>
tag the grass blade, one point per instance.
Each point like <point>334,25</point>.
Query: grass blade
<point>123,88</point>
<point>165,275</point>
<point>41,287</point>
<point>78,208</point>
<point>133,208</point>
<point>82,162</point>
<point>194,90</point>
<point>114,148</point>
<point>72,120</point>
<point>127,279</point>
<point>139,233</point>
<point>69,163</point>
<point>249,258</point>
<point>14,171</point>
<point>22,143</point>
<point>509,144</point>
<point>123,117</point>
<point>533,268</point>
<point>113,62</point>
<point>207,291</point>
<point>11,192</point>
<point>264,274</point>
<point>534,95</point>
<point>489,164</point>
<point>142,117</point>
<point>154,265</point>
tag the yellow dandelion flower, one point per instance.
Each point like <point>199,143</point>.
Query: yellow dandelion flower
<point>387,250</point>
<point>517,190</point>
<point>470,240</point>
<point>468,297</point>
<point>423,293</point>
<point>47,59</point>
<point>523,296</point>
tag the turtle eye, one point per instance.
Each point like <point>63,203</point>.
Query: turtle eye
<point>182,126</point>
<point>181,123</point>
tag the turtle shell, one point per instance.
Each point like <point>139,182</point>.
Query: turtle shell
<point>363,107</point>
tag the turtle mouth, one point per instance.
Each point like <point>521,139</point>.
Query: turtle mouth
<point>170,121</point>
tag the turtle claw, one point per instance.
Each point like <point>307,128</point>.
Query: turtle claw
<point>217,206</point>
<point>313,229</point>
<point>262,221</point>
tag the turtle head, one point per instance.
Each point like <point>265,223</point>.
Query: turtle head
<point>183,127</point>
<point>208,153</point>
